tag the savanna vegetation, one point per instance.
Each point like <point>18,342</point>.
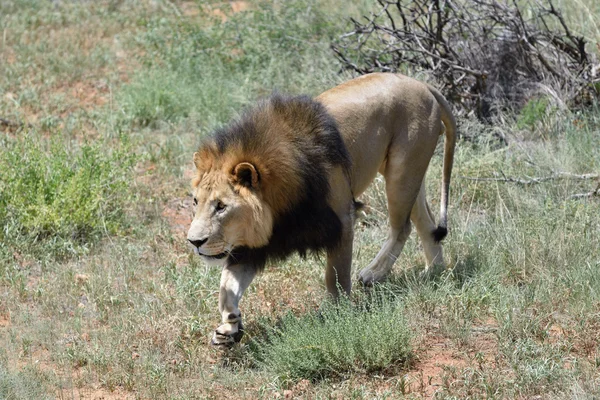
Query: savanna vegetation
<point>101,107</point>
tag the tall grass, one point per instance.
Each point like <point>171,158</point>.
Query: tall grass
<point>58,196</point>
<point>26,384</point>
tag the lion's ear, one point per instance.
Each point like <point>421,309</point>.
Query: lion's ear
<point>197,159</point>
<point>245,174</point>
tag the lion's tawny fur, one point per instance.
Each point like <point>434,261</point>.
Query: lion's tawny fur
<point>283,179</point>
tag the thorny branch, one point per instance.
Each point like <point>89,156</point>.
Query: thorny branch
<point>487,54</point>
<point>535,180</point>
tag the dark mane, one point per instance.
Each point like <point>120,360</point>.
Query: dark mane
<point>294,143</point>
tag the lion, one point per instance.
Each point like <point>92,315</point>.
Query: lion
<point>284,178</point>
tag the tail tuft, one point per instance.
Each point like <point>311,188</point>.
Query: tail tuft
<point>358,206</point>
<point>439,233</point>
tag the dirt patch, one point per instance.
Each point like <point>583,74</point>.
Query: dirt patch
<point>178,213</point>
<point>239,6</point>
<point>438,353</point>
<point>189,9</point>
<point>96,394</point>
<point>9,55</point>
<point>94,391</point>
<point>218,11</point>
<point>90,94</point>
<point>41,358</point>
<point>4,321</point>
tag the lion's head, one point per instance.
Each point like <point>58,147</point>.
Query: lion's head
<point>230,212</point>
<point>262,187</point>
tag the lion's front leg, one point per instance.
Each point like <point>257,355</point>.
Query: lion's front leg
<point>338,278</point>
<point>235,279</point>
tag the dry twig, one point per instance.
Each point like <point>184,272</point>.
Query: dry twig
<point>593,193</point>
<point>535,180</point>
<point>486,53</point>
<point>8,123</point>
<point>528,181</point>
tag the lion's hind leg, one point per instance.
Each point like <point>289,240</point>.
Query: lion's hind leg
<point>404,170</point>
<point>423,219</point>
<point>401,189</point>
<point>382,264</point>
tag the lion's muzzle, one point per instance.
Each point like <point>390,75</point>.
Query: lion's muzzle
<point>197,243</point>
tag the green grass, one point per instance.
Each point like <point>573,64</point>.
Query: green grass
<point>207,74</point>
<point>99,291</point>
<point>56,196</point>
<point>367,337</point>
<point>26,384</point>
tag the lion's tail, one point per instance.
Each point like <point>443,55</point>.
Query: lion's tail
<point>449,143</point>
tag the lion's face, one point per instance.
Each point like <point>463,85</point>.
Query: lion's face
<point>229,213</point>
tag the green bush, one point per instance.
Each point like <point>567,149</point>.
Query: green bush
<point>157,96</point>
<point>337,340</point>
<point>59,194</point>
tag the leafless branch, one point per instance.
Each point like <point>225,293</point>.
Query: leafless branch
<point>595,193</point>
<point>487,54</point>
<point>535,180</point>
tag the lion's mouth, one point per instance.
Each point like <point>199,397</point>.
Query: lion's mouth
<point>215,256</point>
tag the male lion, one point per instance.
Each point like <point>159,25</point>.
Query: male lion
<point>284,178</point>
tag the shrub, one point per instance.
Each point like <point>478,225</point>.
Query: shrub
<point>61,195</point>
<point>487,54</point>
<point>533,111</point>
<point>337,340</point>
<point>29,383</point>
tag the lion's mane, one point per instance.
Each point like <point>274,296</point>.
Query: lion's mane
<point>293,143</point>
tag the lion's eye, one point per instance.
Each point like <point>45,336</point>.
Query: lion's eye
<point>220,206</point>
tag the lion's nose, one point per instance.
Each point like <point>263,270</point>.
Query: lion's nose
<point>198,243</point>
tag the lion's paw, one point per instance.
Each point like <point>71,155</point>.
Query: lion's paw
<point>228,334</point>
<point>369,276</point>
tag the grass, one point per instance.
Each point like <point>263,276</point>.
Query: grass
<point>25,384</point>
<point>57,199</point>
<point>101,296</point>
<point>365,338</point>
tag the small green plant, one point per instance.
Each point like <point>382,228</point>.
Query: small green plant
<point>533,112</point>
<point>58,195</point>
<point>337,340</point>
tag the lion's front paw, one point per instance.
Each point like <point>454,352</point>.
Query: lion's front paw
<point>228,334</point>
